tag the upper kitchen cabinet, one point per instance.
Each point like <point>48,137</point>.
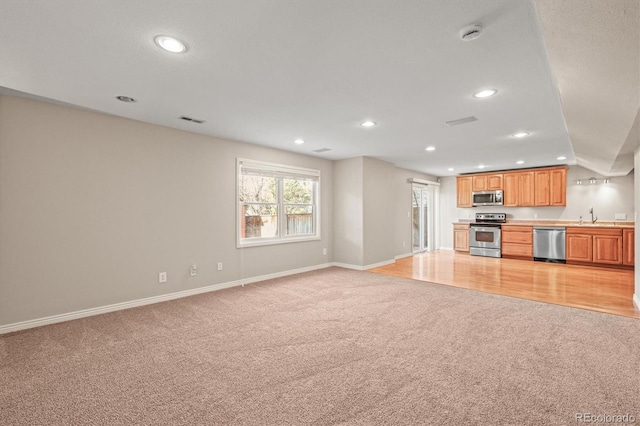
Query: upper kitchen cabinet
<point>526,189</point>
<point>551,187</point>
<point>494,181</point>
<point>487,182</point>
<point>541,190</point>
<point>510,195</point>
<point>463,191</point>
<point>522,188</point>
<point>558,187</point>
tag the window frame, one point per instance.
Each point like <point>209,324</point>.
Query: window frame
<point>278,169</point>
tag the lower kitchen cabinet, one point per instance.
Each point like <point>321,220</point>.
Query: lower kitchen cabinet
<point>461,237</point>
<point>578,247</point>
<point>594,245</point>
<point>517,241</point>
<point>628,252</point>
<point>608,249</point>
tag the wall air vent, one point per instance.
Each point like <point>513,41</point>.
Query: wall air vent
<point>322,150</point>
<point>461,121</point>
<point>193,120</point>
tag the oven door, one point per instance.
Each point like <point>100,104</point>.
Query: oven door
<point>484,236</point>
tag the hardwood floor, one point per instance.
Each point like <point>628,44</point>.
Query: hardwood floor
<point>593,288</point>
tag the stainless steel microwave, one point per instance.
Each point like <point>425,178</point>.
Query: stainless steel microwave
<point>487,198</point>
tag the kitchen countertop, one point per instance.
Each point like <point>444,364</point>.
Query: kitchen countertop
<point>565,223</point>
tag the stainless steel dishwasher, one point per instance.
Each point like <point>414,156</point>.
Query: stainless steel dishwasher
<point>549,244</point>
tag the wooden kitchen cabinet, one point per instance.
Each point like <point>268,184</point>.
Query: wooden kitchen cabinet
<point>510,195</point>
<point>461,237</point>
<point>494,181</point>
<point>517,241</point>
<point>541,188</point>
<point>463,191</point>
<point>526,189</point>
<point>594,245</point>
<point>522,188</point>
<point>558,187</point>
<point>578,247</point>
<point>607,248</point>
<point>551,187</point>
<point>487,182</point>
<point>479,183</point>
<point>628,250</point>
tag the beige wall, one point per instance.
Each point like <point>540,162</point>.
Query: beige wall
<point>378,211</point>
<point>636,198</point>
<point>372,199</point>
<point>607,199</point>
<point>93,206</point>
<point>348,220</point>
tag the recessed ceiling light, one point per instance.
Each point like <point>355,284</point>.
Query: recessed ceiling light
<point>430,148</point>
<point>368,123</point>
<point>450,169</point>
<point>519,162</point>
<point>485,93</point>
<point>562,157</point>
<point>171,44</point>
<point>520,134</point>
<point>125,99</point>
<point>481,166</point>
<point>298,141</point>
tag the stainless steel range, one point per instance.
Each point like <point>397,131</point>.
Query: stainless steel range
<point>485,234</point>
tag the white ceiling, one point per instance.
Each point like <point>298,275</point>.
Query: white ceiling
<point>269,72</point>
<point>594,50</point>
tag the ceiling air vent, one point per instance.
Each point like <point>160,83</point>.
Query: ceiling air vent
<point>322,150</point>
<point>126,99</point>
<point>461,121</point>
<point>193,120</point>
<point>471,32</point>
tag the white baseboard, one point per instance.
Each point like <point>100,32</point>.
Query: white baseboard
<point>402,256</point>
<point>636,300</point>
<point>23,325</point>
<point>446,248</point>
<point>363,267</point>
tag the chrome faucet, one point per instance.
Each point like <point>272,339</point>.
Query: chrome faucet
<point>592,219</point>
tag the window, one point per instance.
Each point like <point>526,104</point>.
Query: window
<point>276,203</point>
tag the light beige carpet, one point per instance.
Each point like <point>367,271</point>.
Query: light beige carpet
<point>326,347</point>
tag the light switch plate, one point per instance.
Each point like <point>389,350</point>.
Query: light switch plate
<point>621,216</point>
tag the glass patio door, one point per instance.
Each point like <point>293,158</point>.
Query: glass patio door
<point>421,218</point>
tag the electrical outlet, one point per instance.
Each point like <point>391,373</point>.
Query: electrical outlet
<point>193,271</point>
<point>536,216</point>
<point>324,251</point>
<point>404,244</point>
<point>621,216</point>
<point>162,277</point>
<point>219,266</point>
